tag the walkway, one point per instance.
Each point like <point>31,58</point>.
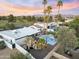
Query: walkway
<point>56,55</point>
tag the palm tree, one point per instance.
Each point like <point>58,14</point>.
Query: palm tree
<point>59,4</point>
<point>49,10</point>
<point>44,11</point>
<point>44,3</point>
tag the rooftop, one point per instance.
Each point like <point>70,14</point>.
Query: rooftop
<point>19,33</point>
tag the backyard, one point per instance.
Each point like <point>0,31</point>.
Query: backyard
<point>36,40</point>
<point>36,44</point>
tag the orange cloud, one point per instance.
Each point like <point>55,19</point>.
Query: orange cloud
<point>16,9</point>
<point>68,6</point>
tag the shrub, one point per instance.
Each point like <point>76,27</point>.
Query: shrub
<point>2,45</point>
<point>51,33</point>
<point>42,40</point>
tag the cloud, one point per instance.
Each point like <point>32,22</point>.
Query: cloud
<point>70,5</point>
<point>15,9</point>
<point>20,9</point>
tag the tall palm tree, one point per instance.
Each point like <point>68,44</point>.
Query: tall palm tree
<point>59,4</point>
<point>45,3</point>
<point>44,11</point>
<point>49,10</point>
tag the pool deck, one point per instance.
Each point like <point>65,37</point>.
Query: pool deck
<point>40,54</point>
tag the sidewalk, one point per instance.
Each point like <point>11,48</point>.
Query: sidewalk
<point>56,55</point>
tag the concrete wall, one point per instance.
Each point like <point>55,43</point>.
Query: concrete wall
<point>8,44</point>
<point>19,48</point>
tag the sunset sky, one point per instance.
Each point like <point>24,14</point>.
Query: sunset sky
<point>31,7</point>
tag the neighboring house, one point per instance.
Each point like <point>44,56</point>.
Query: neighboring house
<point>51,26</point>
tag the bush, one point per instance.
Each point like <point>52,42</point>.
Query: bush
<point>42,40</point>
<point>10,26</point>
<point>2,45</point>
<point>51,33</point>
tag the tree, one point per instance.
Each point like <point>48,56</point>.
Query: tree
<point>41,40</point>
<point>67,38</point>
<point>75,25</point>
<point>0,18</point>
<point>24,17</point>
<point>29,18</point>
<point>44,3</point>
<point>33,18</point>
<point>50,18</point>
<point>2,45</point>
<point>60,18</point>
<point>11,18</point>
<point>40,19</point>
<point>41,43</point>
<point>59,4</point>
<point>3,18</point>
<point>10,26</point>
<point>48,11</point>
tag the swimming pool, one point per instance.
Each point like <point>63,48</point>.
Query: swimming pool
<point>49,39</point>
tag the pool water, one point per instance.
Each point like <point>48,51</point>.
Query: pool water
<point>49,39</point>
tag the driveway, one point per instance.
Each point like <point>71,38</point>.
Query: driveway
<point>5,53</point>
